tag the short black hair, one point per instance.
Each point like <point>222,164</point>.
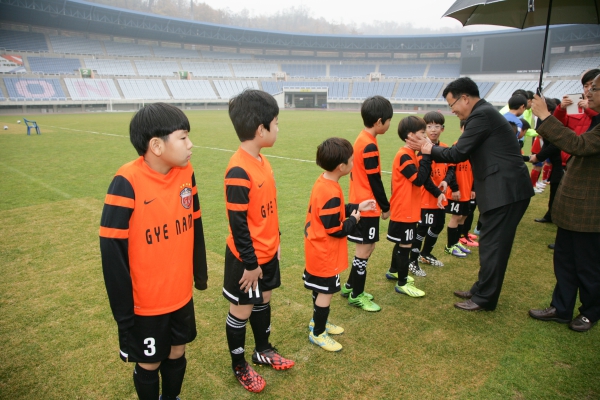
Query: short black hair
<point>551,104</point>
<point>410,124</point>
<point>155,120</point>
<point>434,117</point>
<point>526,125</point>
<point>522,92</point>
<point>589,75</point>
<point>251,109</point>
<point>461,86</point>
<point>333,152</point>
<point>529,95</point>
<point>513,126</point>
<point>517,101</point>
<point>374,108</point>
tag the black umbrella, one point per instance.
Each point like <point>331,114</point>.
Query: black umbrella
<point>526,14</point>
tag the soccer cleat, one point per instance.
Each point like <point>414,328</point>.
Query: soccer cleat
<point>540,185</point>
<point>431,260</point>
<point>249,379</point>
<point>414,269</point>
<point>468,242</point>
<point>324,341</point>
<point>410,290</point>
<point>455,251</point>
<point>472,236</point>
<point>345,292</point>
<point>392,276</point>
<point>362,301</point>
<point>477,232</point>
<point>463,248</point>
<point>271,357</point>
<point>330,328</point>
<point>537,191</point>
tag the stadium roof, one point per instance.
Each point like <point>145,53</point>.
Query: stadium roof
<point>77,15</point>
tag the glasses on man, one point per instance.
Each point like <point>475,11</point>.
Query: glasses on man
<point>455,101</point>
<point>594,89</point>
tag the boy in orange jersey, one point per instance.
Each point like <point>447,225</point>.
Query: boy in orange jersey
<point>152,247</point>
<point>365,183</point>
<point>460,194</point>
<point>408,176</point>
<point>325,230</point>
<point>252,251</point>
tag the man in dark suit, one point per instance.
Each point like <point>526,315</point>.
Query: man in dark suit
<point>576,212</point>
<point>502,181</point>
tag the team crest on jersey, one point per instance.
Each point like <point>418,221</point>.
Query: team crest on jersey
<point>186,197</point>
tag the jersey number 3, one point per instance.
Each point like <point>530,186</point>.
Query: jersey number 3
<point>151,344</point>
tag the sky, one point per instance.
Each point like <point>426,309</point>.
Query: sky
<point>420,13</point>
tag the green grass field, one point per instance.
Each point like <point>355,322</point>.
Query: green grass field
<point>59,339</point>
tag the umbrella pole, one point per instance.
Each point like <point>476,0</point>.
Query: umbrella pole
<point>539,90</point>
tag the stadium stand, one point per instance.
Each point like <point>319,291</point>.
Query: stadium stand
<point>110,67</point>
<point>173,52</point>
<point>350,70</point>
<point>254,70</point>
<point>54,65</point>
<point>207,69</point>
<point>75,45</point>
<point>190,90</point>
<point>403,71</point>
<point>24,41</point>
<point>444,71</point>
<point>419,91</point>
<point>336,90</point>
<point>505,89</point>
<point>305,70</point>
<point>484,88</point>
<point>362,90</point>
<point>228,89</point>
<point>573,66</point>
<point>156,68</point>
<point>216,55</point>
<point>34,89</point>
<point>127,49</point>
<point>143,89</point>
<point>560,88</point>
<point>92,89</point>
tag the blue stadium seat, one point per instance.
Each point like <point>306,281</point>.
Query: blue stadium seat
<point>31,124</point>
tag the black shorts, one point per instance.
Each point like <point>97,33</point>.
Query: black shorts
<point>234,269</point>
<point>401,232</point>
<point>458,207</point>
<point>151,337</point>
<point>366,231</point>
<point>432,217</point>
<point>321,285</point>
<point>472,206</point>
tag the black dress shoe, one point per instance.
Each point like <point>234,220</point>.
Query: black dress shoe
<point>551,246</point>
<point>463,295</point>
<point>547,314</point>
<point>469,305</point>
<point>542,220</point>
<point>581,324</point>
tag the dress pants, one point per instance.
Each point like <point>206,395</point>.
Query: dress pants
<point>498,228</point>
<point>577,267</point>
<point>553,190</point>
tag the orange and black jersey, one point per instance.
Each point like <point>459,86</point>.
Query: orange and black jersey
<point>408,175</point>
<point>365,179</point>
<point>325,252</point>
<point>430,190</point>
<point>461,180</point>
<point>151,241</point>
<point>251,202</point>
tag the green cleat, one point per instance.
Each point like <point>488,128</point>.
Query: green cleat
<point>392,276</point>
<point>363,302</point>
<point>345,292</point>
<point>410,290</point>
<point>325,341</point>
<point>330,328</point>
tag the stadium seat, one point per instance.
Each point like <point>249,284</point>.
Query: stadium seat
<point>31,124</point>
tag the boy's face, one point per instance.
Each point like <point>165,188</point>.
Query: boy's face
<point>417,134</point>
<point>382,127</point>
<point>520,111</point>
<point>345,169</point>
<point>177,149</point>
<point>269,137</point>
<point>434,131</point>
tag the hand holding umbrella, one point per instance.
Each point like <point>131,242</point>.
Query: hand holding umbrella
<point>539,107</point>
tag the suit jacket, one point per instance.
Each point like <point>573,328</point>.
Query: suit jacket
<point>550,151</point>
<point>577,203</point>
<point>500,174</point>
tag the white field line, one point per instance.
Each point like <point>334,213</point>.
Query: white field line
<point>199,147</point>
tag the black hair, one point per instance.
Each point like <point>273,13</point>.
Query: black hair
<point>522,92</point>
<point>589,75</point>
<point>526,125</point>
<point>517,101</point>
<point>513,126</point>
<point>461,86</point>
<point>434,117</point>
<point>551,104</point>
<point>333,152</point>
<point>529,95</point>
<point>463,122</point>
<point>410,124</point>
<point>251,109</point>
<point>374,108</point>
<point>155,120</point>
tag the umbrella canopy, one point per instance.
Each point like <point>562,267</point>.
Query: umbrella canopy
<point>524,13</point>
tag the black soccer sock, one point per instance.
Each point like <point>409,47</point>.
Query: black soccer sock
<point>172,373</point>
<point>146,383</point>
<point>478,226</point>
<point>403,255</point>
<point>452,236</point>
<point>260,320</point>
<point>421,235</point>
<point>320,315</point>
<point>468,223</point>
<point>235,329</point>
<point>361,275</point>
<point>394,262</point>
<point>351,275</point>
<point>430,241</point>
<point>461,231</point>
<point>414,253</point>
